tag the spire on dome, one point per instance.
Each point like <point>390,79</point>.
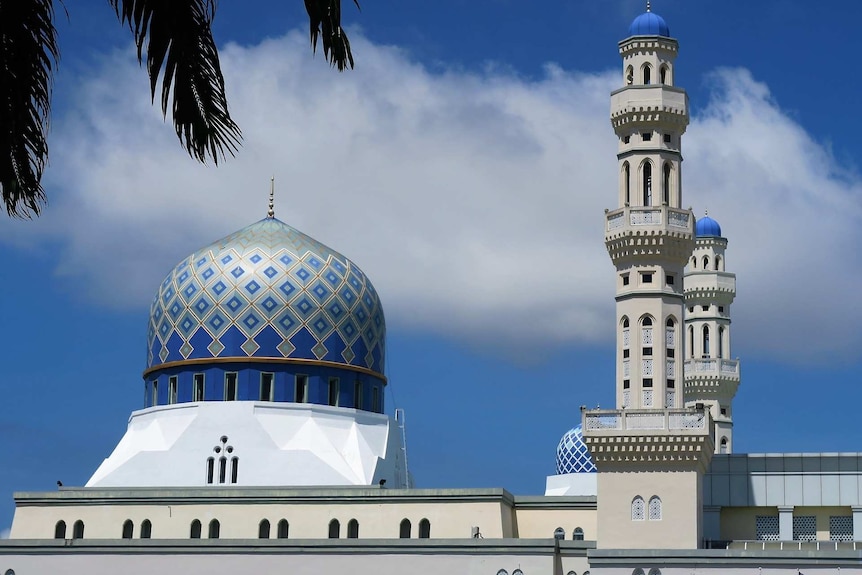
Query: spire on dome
<point>271,212</point>
<point>648,9</point>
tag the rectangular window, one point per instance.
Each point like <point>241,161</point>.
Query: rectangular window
<point>667,138</point>
<point>766,527</point>
<point>155,392</point>
<point>357,395</point>
<point>670,279</point>
<point>198,391</point>
<point>840,528</point>
<point>375,399</point>
<point>648,382</point>
<point>301,389</point>
<point>266,386</point>
<point>627,139</point>
<point>333,391</point>
<point>704,307</point>
<point>670,352</point>
<point>625,279</point>
<point>805,528</point>
<point>625,353</point>
<point>721,309</point>
<point>646,278</point>
<point>691,309</point>
<point>172,389</point>
<point>230,386</point>
<point>671,384</point>
<point>724,411</point>
<point>626,384</point>
<point>646,136</point>
<point>647,351</point>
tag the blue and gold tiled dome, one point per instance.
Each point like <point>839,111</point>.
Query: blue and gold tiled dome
<point>267,291</point>
<point>573,456</point>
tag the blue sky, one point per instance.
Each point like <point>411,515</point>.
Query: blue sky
<point>464,166</point>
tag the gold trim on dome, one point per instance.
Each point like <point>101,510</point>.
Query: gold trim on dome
<point>289,360</point>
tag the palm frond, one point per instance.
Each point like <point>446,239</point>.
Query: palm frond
<point>180,49</point>
<point>324,17</point>
<point>28,56</point>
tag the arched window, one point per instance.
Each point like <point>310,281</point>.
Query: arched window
<point>691,341</point>
<point>215,529</point>
<point>222,468</point>
<point>647,184</point>
<point>146,529</point>
<point>210,470</point>
<point>60,530</point>
<point>195,530</point>
<point>654,508</point>
<point>234,468</point>
<point>404,529</point>
<point>647,321</point>
<point>353,529</point>
<point>424,529</point>
<point>654,571</point>
<point>723,445</point>
<point>666,185</point>
<point>693,262</point>
<point>625,322</point>
<point>627,183</point>
<point>721,341</point>
<point>559,533</point>
<point>578,534</point>
<point>663,75</point>
<point>647,70</point>
<point>638,508</point>
<point>630,76</point>
<point>78,530</point>
<point>718,264</point>
<point>128,529</point>
<point>706,262</point>
<point>263,529</point>
<point>283,529</point>
<point>705,341</point>
<point>638,571</point>
<point>334,529</point>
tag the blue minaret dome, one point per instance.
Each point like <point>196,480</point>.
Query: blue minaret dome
<point>649,24</point>
<point>573,455</point>
<point>707,227</point>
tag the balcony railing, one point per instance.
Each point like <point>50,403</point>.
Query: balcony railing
<point>648,216</point>
<point>712,366</point>
<point>634,420</point>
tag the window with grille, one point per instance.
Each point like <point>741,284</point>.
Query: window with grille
<point>766,527</point>
<point>840,528</point>
<point>638,508</point>
<point>654,508</point>
<point>805,528</point>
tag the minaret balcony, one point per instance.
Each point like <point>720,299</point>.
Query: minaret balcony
<point>709,283</point>
<point>612,421</point>
<point>647,104</point>
<point>648,220</point>
<point>711,367</point>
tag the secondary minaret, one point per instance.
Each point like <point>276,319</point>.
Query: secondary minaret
<point>711,377</point>
<point>649,236</point>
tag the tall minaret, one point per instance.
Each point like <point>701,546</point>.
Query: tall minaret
<point>649,236</point>
<point>651,453</point>
<point>711,377</point>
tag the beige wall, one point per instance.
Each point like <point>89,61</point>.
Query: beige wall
<point>541,523</point>
<point>739,523</point>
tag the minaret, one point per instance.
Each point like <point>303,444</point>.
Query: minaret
<point>711,377</point>
<point>651,453</point>
<point>649,236</point>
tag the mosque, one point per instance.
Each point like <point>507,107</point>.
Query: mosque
<point>264,444</point>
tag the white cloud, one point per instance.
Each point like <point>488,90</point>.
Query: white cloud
<point>474,201</point>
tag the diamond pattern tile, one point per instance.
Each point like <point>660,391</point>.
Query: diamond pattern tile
<point>573,455</point>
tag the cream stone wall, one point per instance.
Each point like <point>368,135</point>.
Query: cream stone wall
<point>540,523</point>
<point>739,523</point>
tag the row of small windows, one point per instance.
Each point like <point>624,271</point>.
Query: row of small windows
<point>705,263</point>
<point>77,530</point>
<point>664,75</point>
<point>647,137</point>
<point>705,343</point>
<point>129,529</point>
<point>577,534</point>
<point>267,390</point>
<point>646,170</point>
<point>654,508</point>
<point>405,529</point>
<point>647,278</point>
<point>647,341</point>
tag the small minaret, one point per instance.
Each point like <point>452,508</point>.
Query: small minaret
<point>711,377</point>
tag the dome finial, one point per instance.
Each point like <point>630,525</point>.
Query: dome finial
<point>706,211</point>
<point>648,9</point>
<point>271,212</point>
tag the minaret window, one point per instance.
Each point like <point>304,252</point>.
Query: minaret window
<point>375,399</point>
<point>721,342</point>
<point>647,72</point>
<point>646,136</point>
<point>666,185</point>
<point>333,391</point>
<point>693,262</point>
<point>705,341</point>
<point>627,182</point>
<point>210,469</point>
<point>690,341</point>
<point>705,262</point>
<point>266,387</point>
<point>301,391</point>
<point>663,75</point>
<point>718,263</point>
<point>655,508</point>
<point>222,469</point>
<point>230,386</point>
<point>723,446</point>
<point>357,395</point>
<point>172,389</point>
<point>234,468</point>
<point>155,393</point>
<point>647,184</point>
<point>198,391</point>
<point>638,508</point>
<point>667,139</point>
<point>630,76</point>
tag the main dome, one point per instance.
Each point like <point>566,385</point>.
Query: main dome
<point>649,24</point>
<point>267,291</point>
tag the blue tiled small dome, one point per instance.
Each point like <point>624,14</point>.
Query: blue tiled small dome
<point>649,24</point>
<point>707,227</point>
<point>267,291</point>
<point>573,455</point>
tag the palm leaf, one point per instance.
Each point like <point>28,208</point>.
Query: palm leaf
<point>28,56</point>
<point>179,45</point>
<point>324,18</point>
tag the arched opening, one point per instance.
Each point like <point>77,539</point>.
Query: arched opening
<point>638,508</point>
<point>705,262</point>
<point>705,335</point>
<point>146,529</point>
<point>263,529</point>
<point>424,529</point>
<point>666,185</point>
<point>718,264</point>
<point>222,469</point>
<point>647,73</point>
<point>334,529</point>
<point>215,529</point>
<point>722,448</point>
<point>693,262</point>
<point>195,530</point>
<point>128,529</point>
<point>283,529</point>
<point>721,342</point>
<point>664,74</point>
<point>60,530</point>
<point>630,76</point>
<point>638,571</point>
<point>655,571</point>
<point>234,469</point>
<point>578,534</point>
<point>210,470</point>
<point>353,529</point>
<point>78,530</point>
<point>647,184</point>
<point>559,533</point>
<point>647,321</point>
<point>404,529</point>
<point>655,508</point>
<point>627,186</point>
